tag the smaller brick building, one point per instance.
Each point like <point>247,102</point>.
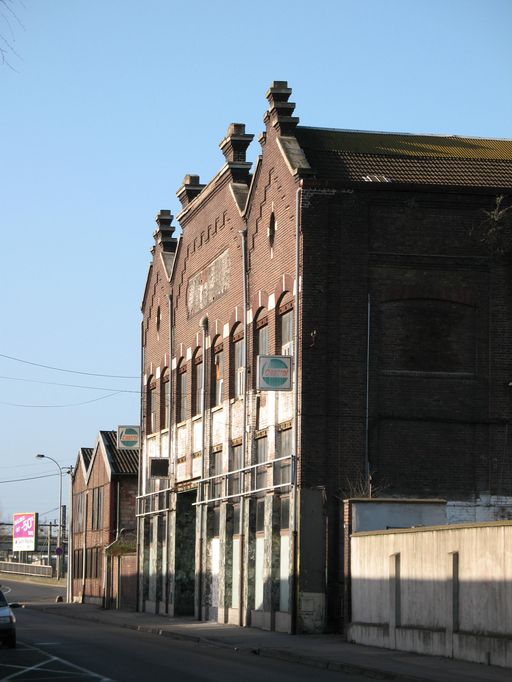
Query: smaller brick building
<point>102,552</point>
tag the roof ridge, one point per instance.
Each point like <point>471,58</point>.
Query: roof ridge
<point>445,136</point>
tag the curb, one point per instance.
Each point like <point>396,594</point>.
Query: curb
<point>265,652</point>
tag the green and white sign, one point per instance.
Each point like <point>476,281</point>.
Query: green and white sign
<point>128,437</point>
<point>274,373</point>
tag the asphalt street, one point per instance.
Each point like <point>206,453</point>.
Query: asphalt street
<point>55,648</point>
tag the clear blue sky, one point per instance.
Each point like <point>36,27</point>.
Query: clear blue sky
<point>109,103</point>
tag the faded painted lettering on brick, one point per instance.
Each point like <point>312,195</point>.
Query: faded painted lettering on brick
<point>207,285</point>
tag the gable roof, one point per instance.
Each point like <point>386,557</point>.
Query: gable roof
<point>122,462</point>
<point>86,454</point>
<point>357,156</point>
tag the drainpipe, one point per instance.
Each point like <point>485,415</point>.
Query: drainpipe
<point>295,501</point>
<point>69,581</point>
<point>172,478</point>
<point>84,559</point>
<point>140,519</point>
<point>243,237</point>
<point>204,328</point>
<point>367,405</point>
<point>118,558</point>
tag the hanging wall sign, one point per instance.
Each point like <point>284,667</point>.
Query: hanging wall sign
<point>274,373</point>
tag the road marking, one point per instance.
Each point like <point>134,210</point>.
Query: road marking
<point>51,659</point>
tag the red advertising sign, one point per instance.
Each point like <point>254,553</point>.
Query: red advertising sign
<point>24,532</point>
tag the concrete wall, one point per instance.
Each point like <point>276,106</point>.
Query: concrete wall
<point>443,591</point>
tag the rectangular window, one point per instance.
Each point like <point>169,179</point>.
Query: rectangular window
<point>236,519</point>
<point>262,340</point>
<point>235,462</point>
<point>78,512</point>
<point>215,512</point>
<point>216,469</point>
<point>285,513</point>
<point>260,457</point>
<point>166,402</point>
<point>197,381</point>
<point>78,563</point>
<point>260,515</point>
<point>158,467</point>
<point>182,394</point>
<point>282,469</point>
<point>286,332</point>
<point>218,377</point>
<point>238,366</point>
<point>88,563</point>
<point>97,508</point>
<point>151,410</point>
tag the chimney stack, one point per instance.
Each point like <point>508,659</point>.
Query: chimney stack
<point>163,236</point>
<point>234,147</point>
<point>280,111</point>
<point>189,189</point>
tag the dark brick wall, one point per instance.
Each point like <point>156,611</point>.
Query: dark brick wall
<point>438,328</point>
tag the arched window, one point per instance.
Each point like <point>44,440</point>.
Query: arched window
<point>217,381</point>
<point>165,400</point>
<point>285,326</point>
<point>151,406</point>
<point>261,343</point>
<point>197,383</point>
<point>238,370</point>
<point>181,392</point>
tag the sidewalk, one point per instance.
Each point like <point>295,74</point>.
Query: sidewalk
<point>320,651</point>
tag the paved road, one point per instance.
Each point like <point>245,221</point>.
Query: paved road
<point>56,648</point>
<point>26,592</point>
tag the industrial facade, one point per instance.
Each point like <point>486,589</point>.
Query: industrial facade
<point>375,262</point>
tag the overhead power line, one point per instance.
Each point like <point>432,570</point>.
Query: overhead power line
<point>29,478</point>
<point>71,371</point>
<point>86,402</point>
<point>54,383</point>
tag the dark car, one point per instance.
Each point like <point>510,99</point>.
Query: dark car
<point>7,623</point>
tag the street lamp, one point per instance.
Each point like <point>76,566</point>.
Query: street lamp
<point>59,527</point>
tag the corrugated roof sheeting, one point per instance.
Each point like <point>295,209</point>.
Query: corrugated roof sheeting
<point>86,455</point>
<point>123,461</point>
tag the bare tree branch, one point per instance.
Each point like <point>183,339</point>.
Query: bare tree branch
<point>8,17</point>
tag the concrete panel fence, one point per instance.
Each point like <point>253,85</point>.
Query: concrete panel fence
<point>444,590</point>
<point>26,569</point>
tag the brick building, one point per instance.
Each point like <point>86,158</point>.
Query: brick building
<point>378,262</point>
<point>103,559</point>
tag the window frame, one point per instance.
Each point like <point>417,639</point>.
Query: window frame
<point>181,392</point>
<point>151,417</point>
<point>285,313</point>
<point>238,375</point>
<point>165,400</point>
<point>218,375</point>
<point>197,384</point>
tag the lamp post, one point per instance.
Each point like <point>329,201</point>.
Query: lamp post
<point>59,526</point>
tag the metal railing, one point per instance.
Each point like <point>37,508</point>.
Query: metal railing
<point>262,477</point>
<point>275,474</point>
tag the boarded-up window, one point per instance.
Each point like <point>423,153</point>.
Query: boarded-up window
<point>423,335</point>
